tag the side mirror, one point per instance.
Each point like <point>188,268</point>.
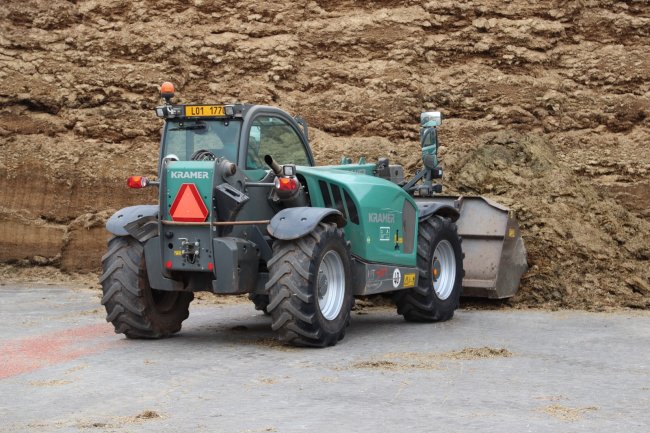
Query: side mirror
<point>429,121</point>
<point>430,118</point>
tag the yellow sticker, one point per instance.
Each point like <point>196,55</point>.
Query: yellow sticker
<point>409,280</point>
<point>178,253</point>
<point>511,233</point>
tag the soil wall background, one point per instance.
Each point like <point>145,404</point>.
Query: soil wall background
<point>547,109</point>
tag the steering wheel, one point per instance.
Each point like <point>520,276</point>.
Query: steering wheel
<point>203,155</point>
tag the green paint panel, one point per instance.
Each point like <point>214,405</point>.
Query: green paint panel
<point>378,236</point>
<point>354,168</point>
<point>179,172</point>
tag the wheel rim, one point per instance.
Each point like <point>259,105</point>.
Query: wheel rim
<point>330,285</point>
<point>443,269</point>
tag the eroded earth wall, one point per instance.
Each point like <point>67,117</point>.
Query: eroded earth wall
<point>547,107</point>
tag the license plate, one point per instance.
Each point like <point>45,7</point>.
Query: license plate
<point>204,110</point>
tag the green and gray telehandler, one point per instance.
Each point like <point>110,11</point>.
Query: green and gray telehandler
<point>243,209</point>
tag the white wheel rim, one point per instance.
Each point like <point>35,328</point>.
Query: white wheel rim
<point>330,285</point>
<point>443,269</point>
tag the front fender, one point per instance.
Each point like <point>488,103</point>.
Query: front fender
<point>296,222</point>
<point>430,208</point>
<point>138,215</point>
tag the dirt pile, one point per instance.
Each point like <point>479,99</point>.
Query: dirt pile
<point>548,108</point>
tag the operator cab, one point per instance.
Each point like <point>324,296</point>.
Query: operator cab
<point>241,133</point>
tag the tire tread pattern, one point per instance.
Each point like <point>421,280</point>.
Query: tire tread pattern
<point>291,275</point>
<point>129,307</point>
<point>420,304</point>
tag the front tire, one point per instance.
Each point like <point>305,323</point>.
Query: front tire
<point>132,306</point>
<point>310,289</point>
<point>440,265</point>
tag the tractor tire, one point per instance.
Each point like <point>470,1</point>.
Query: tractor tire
<point>440,265</point>
<point>310,288</point>
<point>261,302</point>
<point>132,306</point>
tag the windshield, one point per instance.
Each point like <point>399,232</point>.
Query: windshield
<point>184,137</point>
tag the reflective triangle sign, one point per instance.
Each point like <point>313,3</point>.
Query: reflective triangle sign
<point>188,205</point>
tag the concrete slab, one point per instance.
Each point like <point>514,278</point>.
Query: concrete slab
<point>62,369</point>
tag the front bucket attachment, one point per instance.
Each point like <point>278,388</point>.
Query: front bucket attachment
<point>495,255</point>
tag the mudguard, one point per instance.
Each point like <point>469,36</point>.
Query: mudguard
<point>296,222</point>
<point>432,208</point>
<point>134,217</point>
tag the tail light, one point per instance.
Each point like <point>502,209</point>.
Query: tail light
<point>137,182</point>
<point>286,183</point>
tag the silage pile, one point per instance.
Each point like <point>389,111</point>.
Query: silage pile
<point>547,107</point>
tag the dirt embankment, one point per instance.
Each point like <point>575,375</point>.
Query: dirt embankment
<point>547,106</point>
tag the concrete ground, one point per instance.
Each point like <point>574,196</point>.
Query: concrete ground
<point>63,369</point>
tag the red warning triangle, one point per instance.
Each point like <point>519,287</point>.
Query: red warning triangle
<point>188,205</point>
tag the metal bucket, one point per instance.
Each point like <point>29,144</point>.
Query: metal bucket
<point>495,255</point>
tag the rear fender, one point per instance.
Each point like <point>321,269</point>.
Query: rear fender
<point>137,221</point>
<point>296,222</point>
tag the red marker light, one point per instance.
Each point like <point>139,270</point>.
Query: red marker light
<point>168,264</point>
<point>286,183</point>
<point>137,182</point>
<point>210,266</point>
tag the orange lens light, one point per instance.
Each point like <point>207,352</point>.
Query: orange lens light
<point>137,182</point>
<point>286,183</point>
<point>167,90</point>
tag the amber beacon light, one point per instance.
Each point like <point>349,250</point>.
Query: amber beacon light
<point>167,91</point>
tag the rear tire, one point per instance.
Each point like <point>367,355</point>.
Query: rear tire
<point>439,252</point>
<point>310,288</point>
<point>132,306</point>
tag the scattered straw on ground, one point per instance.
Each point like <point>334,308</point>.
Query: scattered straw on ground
<point>566,413</point>
<point>47,275</point>
<point>45,383</point>
<point>148,414</point>
<point>429,361</point>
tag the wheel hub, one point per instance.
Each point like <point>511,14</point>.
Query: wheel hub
<point>443,269</point>
<point>322,284</point>
<point>436,269</point>
<point>330,284</point>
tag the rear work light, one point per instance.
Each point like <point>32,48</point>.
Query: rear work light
<point>286,183</point>
<point>137,182</point>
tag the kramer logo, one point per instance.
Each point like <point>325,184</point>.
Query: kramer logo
<point>189,174</point>
<point>375,217</point>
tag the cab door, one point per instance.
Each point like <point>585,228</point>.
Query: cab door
<point>272,132</point>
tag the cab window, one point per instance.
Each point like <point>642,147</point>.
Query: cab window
<point>184,137</point>
<point>273,136</point>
